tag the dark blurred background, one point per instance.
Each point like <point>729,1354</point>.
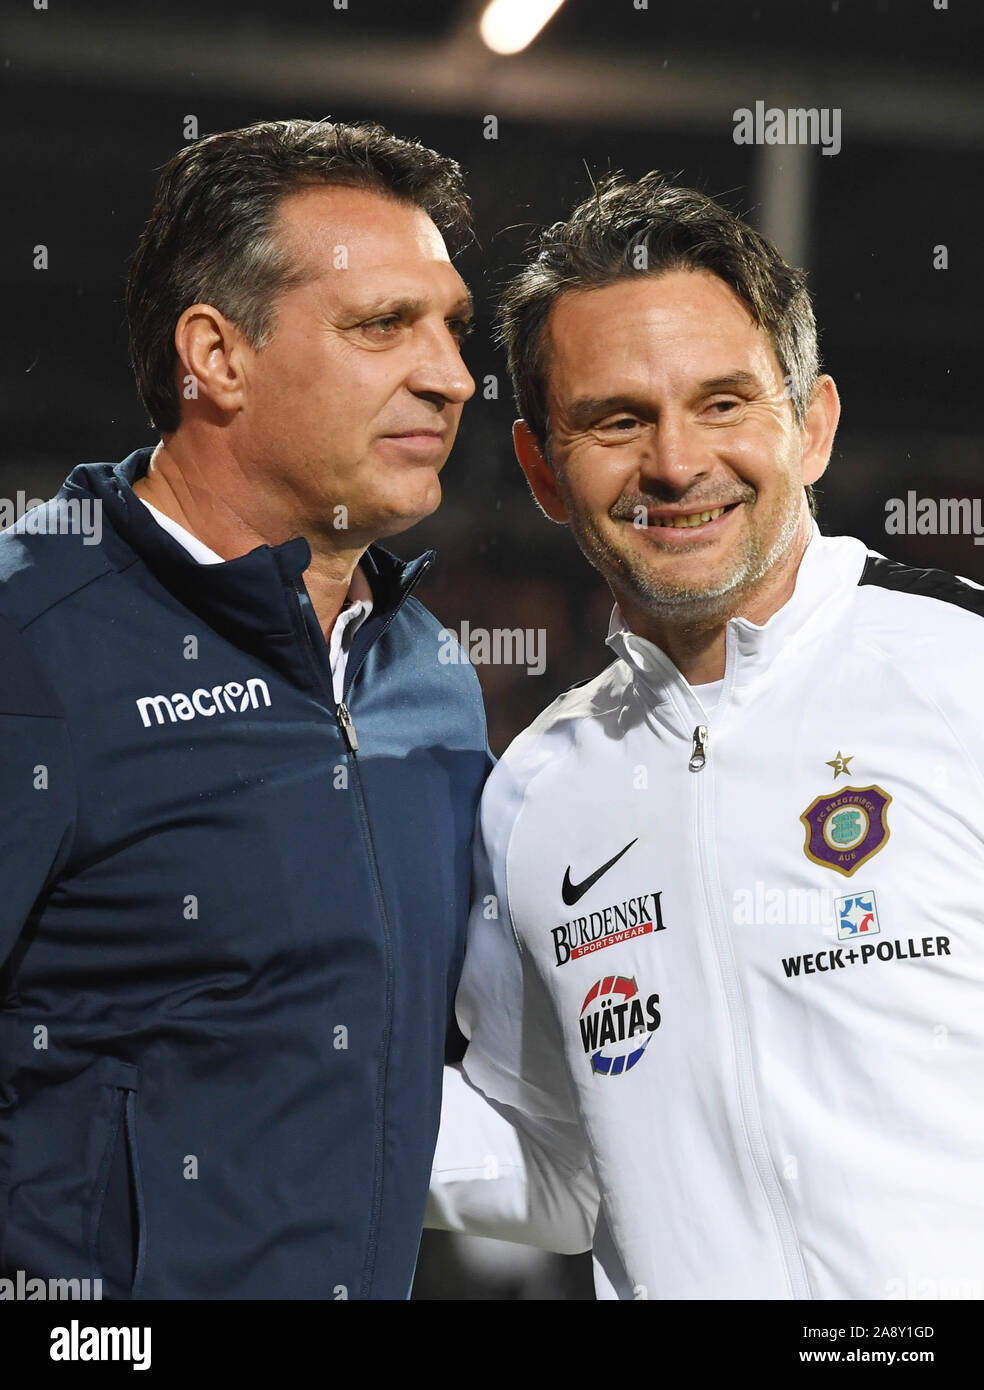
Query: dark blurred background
<point>100,93</point>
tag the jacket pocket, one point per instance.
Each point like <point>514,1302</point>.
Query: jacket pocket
<point>117,1225</point>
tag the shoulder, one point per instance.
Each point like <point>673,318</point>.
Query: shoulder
<point>444,680</point>
<point>919,609</point>
<point>927,627</point>
<point>43,562</point>
<point>438,643</point>
<point>553,737</point>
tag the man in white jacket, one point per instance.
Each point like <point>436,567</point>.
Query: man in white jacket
<point>723,982</point>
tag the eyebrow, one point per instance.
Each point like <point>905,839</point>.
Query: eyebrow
<point>587,408</point>
<point>410,307</point>
<point>728,382</point>
<point>465,306</point>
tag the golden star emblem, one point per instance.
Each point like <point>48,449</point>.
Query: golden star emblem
<point>840,764</point>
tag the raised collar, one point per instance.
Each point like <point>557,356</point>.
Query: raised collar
<point>829,570</point>
<point>249,599</point>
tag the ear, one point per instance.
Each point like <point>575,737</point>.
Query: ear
<point>539,474</point>
<point>819,427</point>
<point>209,350</point>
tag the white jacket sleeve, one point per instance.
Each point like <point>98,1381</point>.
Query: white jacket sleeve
<point>512,1161</point>
<point>491,1177</point>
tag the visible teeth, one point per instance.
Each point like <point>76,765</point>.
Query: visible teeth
<point>691,519</point>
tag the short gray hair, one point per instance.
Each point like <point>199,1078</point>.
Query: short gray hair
<point>647,227</point>
<point>211,239</point>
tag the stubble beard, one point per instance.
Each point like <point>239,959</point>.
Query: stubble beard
<point>686,606</point>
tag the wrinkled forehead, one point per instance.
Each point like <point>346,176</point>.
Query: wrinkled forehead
<point>653,332</point>
<point>358,230</point>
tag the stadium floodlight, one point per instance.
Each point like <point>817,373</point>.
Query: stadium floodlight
<point>509,26</point>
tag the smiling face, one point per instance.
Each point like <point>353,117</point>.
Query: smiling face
<point>356,397</point>
<point>674,452</point>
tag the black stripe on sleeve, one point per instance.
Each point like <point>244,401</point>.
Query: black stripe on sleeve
<point>940,584</point>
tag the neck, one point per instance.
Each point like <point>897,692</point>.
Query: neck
<point>696,642</point>
<point>232,513</point>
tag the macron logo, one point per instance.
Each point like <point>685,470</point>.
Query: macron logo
<point>231,698</point>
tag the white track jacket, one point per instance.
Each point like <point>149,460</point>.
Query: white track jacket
<point>724,972</point>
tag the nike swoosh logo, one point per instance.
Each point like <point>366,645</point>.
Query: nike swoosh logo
<point>572,892</point>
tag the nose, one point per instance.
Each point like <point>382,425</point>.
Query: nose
<point>674,453</point>
<point>438,369</point>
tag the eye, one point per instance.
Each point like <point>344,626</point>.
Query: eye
<point>621,424</point>
<point>460,328</point>
<point>383,327</point>
<point>722,407</point>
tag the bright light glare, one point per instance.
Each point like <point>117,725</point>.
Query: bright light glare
<point>509,26</point>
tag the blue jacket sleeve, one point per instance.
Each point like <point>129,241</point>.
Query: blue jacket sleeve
<point>37,789</point>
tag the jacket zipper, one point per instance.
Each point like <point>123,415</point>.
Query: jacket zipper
<point>698,758</point>
<point>748,1105</point>
<point>346,725</point>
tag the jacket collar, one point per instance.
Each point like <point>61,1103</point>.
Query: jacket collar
<point>248,600</point>
<point>828,574</point>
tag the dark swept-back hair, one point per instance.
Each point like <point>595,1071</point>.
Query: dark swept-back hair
<point>647,227</point>
<point>212,238</point>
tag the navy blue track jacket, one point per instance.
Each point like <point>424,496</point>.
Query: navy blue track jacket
<point>231,928</point>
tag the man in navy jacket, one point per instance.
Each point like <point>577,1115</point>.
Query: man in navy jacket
<point>238,785</point>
